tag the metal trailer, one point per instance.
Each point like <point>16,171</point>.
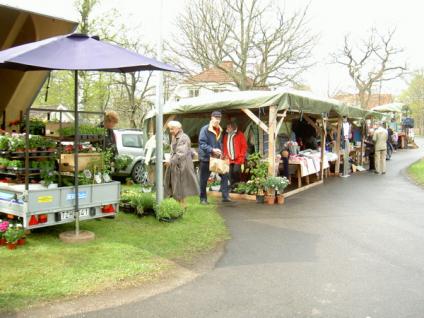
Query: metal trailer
<point>39,206</point>
<point>47,207</point>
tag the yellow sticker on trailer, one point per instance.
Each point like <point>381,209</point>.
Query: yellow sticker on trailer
<point>45,199</point>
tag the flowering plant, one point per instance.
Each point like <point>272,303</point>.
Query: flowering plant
<point>3,228</point>
<point>276,184</point>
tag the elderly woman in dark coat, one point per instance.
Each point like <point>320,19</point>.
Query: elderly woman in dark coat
<point>180,179</point>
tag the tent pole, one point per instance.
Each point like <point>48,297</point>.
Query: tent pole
<point>271,139</point>
<point>364,133</point>
<point>338,141</point>
<point>76,144</point>
<point>323,138</point>
<point>159,118</point>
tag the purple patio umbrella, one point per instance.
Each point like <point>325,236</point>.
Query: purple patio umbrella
<point>77,52</point>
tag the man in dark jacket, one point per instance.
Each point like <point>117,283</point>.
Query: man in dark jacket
<point>210,144</point>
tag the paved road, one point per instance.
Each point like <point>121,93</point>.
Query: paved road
<point>351,248</point>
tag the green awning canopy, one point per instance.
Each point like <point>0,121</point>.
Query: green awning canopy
<point>390,108</point>
<point>295,101</point>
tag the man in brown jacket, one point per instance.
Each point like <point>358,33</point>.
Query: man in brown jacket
<point>380,145</point>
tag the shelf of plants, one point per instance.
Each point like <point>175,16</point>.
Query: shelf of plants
<point>38,180</point>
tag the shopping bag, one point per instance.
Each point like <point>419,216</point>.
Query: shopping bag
<point>219,165</point>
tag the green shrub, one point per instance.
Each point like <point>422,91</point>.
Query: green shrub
<point>147,200</point>
<point>122,162</point>
<point>4,143</point>
<point>4,162</point>
<point>168,209</point>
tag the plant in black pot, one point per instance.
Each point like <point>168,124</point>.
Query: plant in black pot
<point>169,210</point>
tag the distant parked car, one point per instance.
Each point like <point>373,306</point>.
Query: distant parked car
<point>130,142</point>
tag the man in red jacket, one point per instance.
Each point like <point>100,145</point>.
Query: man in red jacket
<point>234,145</point>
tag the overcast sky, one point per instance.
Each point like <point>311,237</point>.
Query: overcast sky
<point>331,19</point>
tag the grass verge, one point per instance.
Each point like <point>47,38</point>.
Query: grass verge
<point>127,251</point>
<point>416,171</point>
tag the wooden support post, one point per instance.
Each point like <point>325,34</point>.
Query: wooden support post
<point>271,139</point>
<point>280,122</point>
<point>323,138</point>
<point>255,119</point>
<point>338,142</point>
<point>364,135</point>
<point>311,122</point>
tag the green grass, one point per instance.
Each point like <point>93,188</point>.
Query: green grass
<point>127,251</point>
<point>416,171</point>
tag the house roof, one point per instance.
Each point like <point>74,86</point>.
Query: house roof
<point>213,74</point>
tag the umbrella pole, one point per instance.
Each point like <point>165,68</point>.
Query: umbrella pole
<point>76,144</point>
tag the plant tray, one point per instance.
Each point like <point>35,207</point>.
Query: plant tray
<point>84,159</point>
<point>52,129</point>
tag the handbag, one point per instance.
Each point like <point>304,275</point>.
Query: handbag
<point>219,165</point>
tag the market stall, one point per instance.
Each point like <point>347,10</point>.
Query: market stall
<point>268,119</point>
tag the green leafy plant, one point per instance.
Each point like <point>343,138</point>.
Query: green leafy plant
<point>15,164</point>
<point>83,130</point>
<point>35,141</point>
<point>259,170</point>
<point>168,209</point>
<point>36,126</point>
<point>276,184</point>
<point>4,162</point>
<point>12,234</point>
<point>4,143</point>
<point>35,164</point>
<point>122,162</point>
<point>17,143</point>
<point>48,172</point>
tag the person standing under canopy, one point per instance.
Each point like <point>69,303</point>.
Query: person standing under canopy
<point>380,147</point>
<point>235,148</point>
<point>210,144</point>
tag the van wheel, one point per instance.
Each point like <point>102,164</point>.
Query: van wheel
<point>139,173</point>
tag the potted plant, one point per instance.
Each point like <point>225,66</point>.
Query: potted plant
<point>4,225</point>
<point>17,145</point>
<point>3,164</point>
<point>214,184</point>
<point>11,236</point>
<point>34,143</point>
<point>14,165</point>
<point>273,186</point>
<point>21,234</point>
<point>168,210</point>
<point>49,145</point>
<point>47,172</point>
<point>258,169</point>
<point>4,143</point>
<point>282,183</point>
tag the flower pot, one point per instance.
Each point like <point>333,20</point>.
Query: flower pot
<point>11,246</point>
<point>280,199</point>
<point>22,241</point>
<point>260,198</point>
<point>269,199</point>
<point>2,241</point>
<point>215,187</point>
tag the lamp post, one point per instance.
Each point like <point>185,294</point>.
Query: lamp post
<point>159,117</point>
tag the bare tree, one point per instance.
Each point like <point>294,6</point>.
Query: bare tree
<point>265,45</point>
<point>135,87</point>
<point>370,63</point>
